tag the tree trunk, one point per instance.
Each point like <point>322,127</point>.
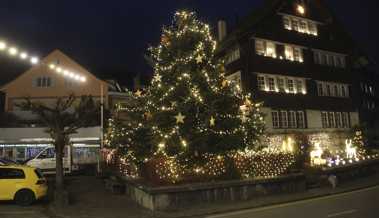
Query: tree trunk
<point>60,194</point>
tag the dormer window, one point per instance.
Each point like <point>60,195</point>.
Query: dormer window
<point>300,25</point>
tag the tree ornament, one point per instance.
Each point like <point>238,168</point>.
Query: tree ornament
<point>165,40</point>
<point>199,59</point>
<point>148,116</point>
<point>180,118</point>
<point>248,103</point>
<point>212,121</point>
<point>225,83</point>
<point>196,153</point>
<point>138,93</point>
<point>157,77</point>
<point>174,104</point>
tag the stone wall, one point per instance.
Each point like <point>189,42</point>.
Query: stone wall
<point>175,197</point>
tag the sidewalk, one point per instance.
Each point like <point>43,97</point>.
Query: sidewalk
<point>92,201</point>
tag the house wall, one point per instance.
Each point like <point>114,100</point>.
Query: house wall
<point>23,86</point>
<point>330,38</point>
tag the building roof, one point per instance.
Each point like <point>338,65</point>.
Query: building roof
<point>267,9</point>
<point>26,68</point>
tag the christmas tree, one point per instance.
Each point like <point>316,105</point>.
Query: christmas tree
<point>190,112</point>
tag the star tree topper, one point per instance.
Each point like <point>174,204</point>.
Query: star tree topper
<point>180,118</point>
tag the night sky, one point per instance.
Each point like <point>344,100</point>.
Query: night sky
<point>109,38</point>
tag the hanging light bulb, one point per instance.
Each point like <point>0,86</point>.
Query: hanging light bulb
<point>3,45</point>
<point>13,51</point>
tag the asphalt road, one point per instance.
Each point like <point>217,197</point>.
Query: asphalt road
<point>358,204</point>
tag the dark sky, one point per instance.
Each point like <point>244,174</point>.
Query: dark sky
<point>109,37</point>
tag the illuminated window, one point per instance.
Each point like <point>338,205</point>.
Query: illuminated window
<point>281,84</point>
<point>299,86</point>
<point>288,52</point>
<point>300,25</point>
<point>324,120</point>
<point>290,86</point>
<point>235,80</point>
<point>265,48</point>
<point>271,84</point>
<point>312,28</point>
<point>345,118</point>
<point>284,119</point>
<point>298,54</point>
<point>300,9</point>
<point>295,25</point>
<point>275,119</point>
<point>288,119</point>
<point>287,23</point>
<point>292,119</point>
<point>300,120</point>
<point>331,120</point>
<point>261,83</point>
<point>270,49</point>
<point>303,26</point>
<point>338,120</point>
<point>260,47</point>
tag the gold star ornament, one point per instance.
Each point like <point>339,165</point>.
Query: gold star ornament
<point>180,118</point>
<point>138,93</point>
<point>199,59</point>
<point>212,121</point>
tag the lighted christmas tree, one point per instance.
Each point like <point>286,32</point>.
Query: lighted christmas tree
<point>193,108</point>
<point>190,113</point>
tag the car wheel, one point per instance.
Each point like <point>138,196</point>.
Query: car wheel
<point>24,197</point>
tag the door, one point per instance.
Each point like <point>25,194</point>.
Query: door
<point>10,181</point>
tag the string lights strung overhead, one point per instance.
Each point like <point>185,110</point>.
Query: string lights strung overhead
<point>14,52</point>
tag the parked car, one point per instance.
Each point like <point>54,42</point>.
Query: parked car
<point>6,161</point>
<point>23,184</point>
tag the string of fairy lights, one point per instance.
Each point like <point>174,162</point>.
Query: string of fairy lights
<point>14,52</point>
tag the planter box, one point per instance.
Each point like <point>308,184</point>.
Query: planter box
<point>176,197</point>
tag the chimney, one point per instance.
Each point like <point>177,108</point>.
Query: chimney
<point>221,30</point>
